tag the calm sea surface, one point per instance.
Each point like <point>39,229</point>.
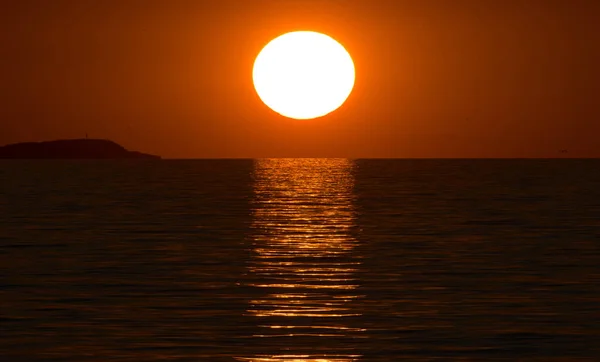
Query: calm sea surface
<point>274,260</point>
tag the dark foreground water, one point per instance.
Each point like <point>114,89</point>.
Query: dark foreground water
<point>327,260</point>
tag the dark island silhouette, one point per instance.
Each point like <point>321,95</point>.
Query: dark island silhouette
<point>70,149</point>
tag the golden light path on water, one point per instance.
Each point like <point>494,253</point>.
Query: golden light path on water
<point>303,262</point>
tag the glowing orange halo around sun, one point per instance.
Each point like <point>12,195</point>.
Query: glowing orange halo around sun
<point>303,75</point>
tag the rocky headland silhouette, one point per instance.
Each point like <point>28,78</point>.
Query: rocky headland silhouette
<point>71,149</point>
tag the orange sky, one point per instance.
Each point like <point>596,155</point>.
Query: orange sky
<point>434,78</point>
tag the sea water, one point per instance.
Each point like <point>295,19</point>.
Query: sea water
<point>330,260</point>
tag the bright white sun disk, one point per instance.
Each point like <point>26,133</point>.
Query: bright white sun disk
<point>303,75</point>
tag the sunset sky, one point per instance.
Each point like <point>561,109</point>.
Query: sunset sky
<point>439,78</point>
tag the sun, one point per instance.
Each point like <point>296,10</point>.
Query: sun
<point>303,75</point>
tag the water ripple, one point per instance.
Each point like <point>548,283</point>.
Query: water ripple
<point>303,259</point>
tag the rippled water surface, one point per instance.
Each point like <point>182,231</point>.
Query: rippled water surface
<point>304,260</point>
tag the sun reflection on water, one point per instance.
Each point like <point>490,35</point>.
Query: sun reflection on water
<point>303,265</point>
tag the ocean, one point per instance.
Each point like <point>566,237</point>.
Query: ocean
<point>304,260</point>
